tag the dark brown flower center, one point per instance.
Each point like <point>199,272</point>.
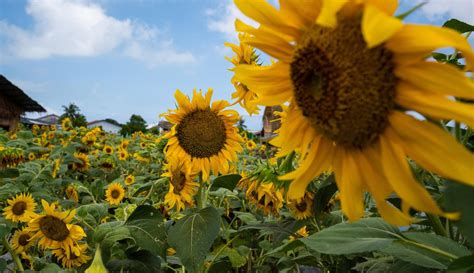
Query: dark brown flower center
<point>301,206</point>
<point>115,194</point>
<point>54,228</point>
<point>19,208</point>
<point>343,88</point>
<point>179,181</point>
<point>202,133</point>
<point>23,239</point>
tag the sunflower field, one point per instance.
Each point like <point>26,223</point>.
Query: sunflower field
<point>371,170</point>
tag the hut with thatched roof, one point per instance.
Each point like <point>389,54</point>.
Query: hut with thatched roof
<point>13,103</point>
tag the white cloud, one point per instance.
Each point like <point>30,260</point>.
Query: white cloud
<point>459,9</point>
<point>81,28</point>
<point>222,19</point>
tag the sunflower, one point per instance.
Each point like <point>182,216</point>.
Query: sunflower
<point>52,228</point>
<point>72,260</point>
<point>114,193</point>
<point>83,162</point>
<point>303,207</point>
<point>108,149</point>
<point>182,187</point>
<point>31,156</point>
<point>71,193</point>
<point>204,135</point>
<point>251,145</point>
<point>66,124</point>
<point>20,209</point>
<point>56,167</point>
<point>129,180</point>
<point>20,240</point>
<point>265,196</point>
<point>107,164</point>
<point>244,54</point>
<point>347,111</point>
<point>124,144</point>
<point>122,155</point>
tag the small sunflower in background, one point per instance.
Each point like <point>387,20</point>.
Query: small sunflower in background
<point>107,164</point>
<point>244,54</point>
<point>250,144</point>
<point>204,134</point>
<point>124,144</point>
<point>56,167</point>
<point>347,111</point>
<point>143,145</point>
<point>129,180</point>
<point>108,149</point>
<point>21,208</point>
<point>31,156</point>
<point>20,240</point>
<point>72,260</point>
<point>182,187</point>
<point>53,229</point>
<point>114,193</point>
<point>71,193</point>
<point>265,196</point>
<point>303,207</point>
<point>66,124</point>
<point>122,155</point>
<point>81,163</point>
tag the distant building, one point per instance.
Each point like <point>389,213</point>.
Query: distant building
<point>164,126</point>
<point>49,119</point>
<point>271,122</point>
<point>13,103</point>
<point>105,125</point>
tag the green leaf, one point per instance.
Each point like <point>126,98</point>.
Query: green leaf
<point>193,235</point>
<point>462,265</point>
<point>324,195</point>
<point>94,212</point>
<point>438,242</point>
<point>9,173</point>
<point>459,26</point>
<point>146,225</point>
<point>458,197</point>
<point>346,238</point>
<point>401,266</point>
<point>410,11</point>
<point>226,181</point>
<point>3,265</point>
<point>413,254</point>
<point>234,256</point>
<point>52,268</point>
<point>141,261</point>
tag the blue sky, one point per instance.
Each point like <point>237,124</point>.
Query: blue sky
<point>114,58</point>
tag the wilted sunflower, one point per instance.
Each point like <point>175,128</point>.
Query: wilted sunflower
<point>129,180</point>
<point>114,193</point>
<point>83,162</point>
<point>71,193</point>
<point>52,228</point>
<point>20,240</point>
<point>244,54</point>
<point>182,187</point>
<point>303,207</point>
<point>21,208</point>
<point>107,164</point>
<point>265,196</point>
<point>72,260</point>
<point>108,149</point>
<point>203,134</point>
<point>349,70</point>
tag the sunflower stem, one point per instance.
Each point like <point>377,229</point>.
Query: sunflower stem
<point>202,194</point>
<point>12,252</point>
<point>437,225</point>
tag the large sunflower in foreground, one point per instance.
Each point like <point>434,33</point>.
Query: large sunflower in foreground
<point>182,187</point>
<point>203,135</point>
<point>244,54</point>
<point>21,208</point>
<point>52,228</point>
<point>350,71</point>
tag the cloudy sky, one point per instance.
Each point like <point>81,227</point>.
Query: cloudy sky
<point>114,58</point>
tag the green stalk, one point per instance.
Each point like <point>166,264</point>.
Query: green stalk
<point>437,225</point>
<point>12,252</point>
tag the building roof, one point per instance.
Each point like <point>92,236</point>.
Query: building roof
<point>15,94</point>
<point>101,120</point>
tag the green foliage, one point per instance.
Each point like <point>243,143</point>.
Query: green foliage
<point>459,26</point>
<point>135,124</point>
<point>73,112</point>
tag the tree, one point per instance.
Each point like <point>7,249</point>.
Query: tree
<point>74,114</point>
<point>135,124</point>
<point>241,124</point>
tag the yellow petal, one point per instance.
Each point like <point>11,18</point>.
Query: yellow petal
<point>393,215</point>
<point>264,13</point>
<point>300,13</point>
<point>387,6</point>
<point>418,38</point>
<point>437,77</point>
<point>327,17</point>
<point>434,105</point>
<point>378,27</point>
<point>400,177</point>
<point>369,166</point>
<point>433,148</point>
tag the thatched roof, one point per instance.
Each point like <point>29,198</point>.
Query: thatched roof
<point>10,92</point>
